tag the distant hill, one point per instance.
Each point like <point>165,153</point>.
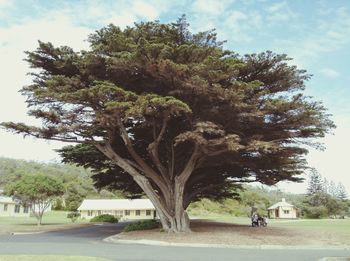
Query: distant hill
<point>11,169</point>
<point>77,180</point>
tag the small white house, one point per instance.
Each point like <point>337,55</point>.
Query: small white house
<point>124,209</point>
<point>282,210</point>
<point>12,208</point>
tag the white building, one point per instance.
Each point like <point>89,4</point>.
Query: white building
<point>282,209</point>
<point>12,208</point>
<point>124,209</point>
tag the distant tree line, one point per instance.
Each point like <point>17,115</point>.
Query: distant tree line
<point>324,198</point>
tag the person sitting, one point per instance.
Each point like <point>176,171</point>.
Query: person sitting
<point>255,221</point>
<point>265,220</point>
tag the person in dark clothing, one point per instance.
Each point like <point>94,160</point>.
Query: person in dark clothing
<point>255,221</point>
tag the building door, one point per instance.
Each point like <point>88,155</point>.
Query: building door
<point>277,213</point>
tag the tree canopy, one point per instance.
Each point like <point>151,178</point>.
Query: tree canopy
<point>36,191</point>
<point>316,184</point>
<point>174,113</point>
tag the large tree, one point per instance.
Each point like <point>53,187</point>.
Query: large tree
<point>316,183</point>
<point>173,112</point>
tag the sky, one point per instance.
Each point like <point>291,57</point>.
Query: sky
<point>315,33</point>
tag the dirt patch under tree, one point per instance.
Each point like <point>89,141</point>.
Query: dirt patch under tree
<point>208,232</point>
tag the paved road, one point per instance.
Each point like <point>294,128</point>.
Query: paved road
<point>87,241</point>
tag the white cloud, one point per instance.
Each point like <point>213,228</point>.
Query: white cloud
<point>243,26</point>
<point>121,20</point>
<point>14,40</point>
<point>4,2</point>
<point>331,73</point>
<point>332,163</point>
<point>329,34</point>
<point>4,5</point>
<point>145,10</point>
<point>280,12</point>
<point>237,23</point>
<point>235,19</point>
<point>277,7</point>
<point>132,12</point>
<point>211,7</point>
<point>256,19</point>
<point>15,146</point>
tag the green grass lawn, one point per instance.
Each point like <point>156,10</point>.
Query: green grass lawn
<point>338,227</point>
<point>51,221</point>
<point>49,258</point>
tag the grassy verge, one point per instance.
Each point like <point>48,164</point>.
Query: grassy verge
<point>51,221</point>
<point>338,227</point>
<point>49,258</point>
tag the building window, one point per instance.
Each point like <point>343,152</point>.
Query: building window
<point>25,209</point>
<point>17,208</point>
<point>138,212</point>
<point>148,212</point>
<point>99,212</point>
<point>5,207</point>
<point>286,211</point>
<point>127,212</point>
<point>89,213</point>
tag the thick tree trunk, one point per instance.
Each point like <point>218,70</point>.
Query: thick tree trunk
<point>181,217</point>
<point>39,220</point>
<point>168,199</point>
<point>171,212</point>
<point>177,222</point>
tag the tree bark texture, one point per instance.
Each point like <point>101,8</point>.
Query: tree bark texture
<point>167,195</point>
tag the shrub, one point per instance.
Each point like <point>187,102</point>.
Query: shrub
<point>73,216</point>
<point>73,206</point>
<point>105,218</point>
<point>316,212</point>
<point>142,225</point>
<point>57,204</point>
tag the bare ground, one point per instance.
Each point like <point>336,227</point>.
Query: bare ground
<point>209,232</point>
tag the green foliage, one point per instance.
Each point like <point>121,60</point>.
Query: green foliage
<point>36,191</point>
<point>77,181</point>
<point>73,216</point>
<point>341,192</point>
<point>250,198</point>
<point>324,198</point>
<point>206,207</point>
<point>257,202</point>
<point>316,184</point>
<point>32,188</point>
<point>315,205</point>
<point>57,204</point>
<point>316,212</point>
<point>141,225</point>
<point>105,218</point>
